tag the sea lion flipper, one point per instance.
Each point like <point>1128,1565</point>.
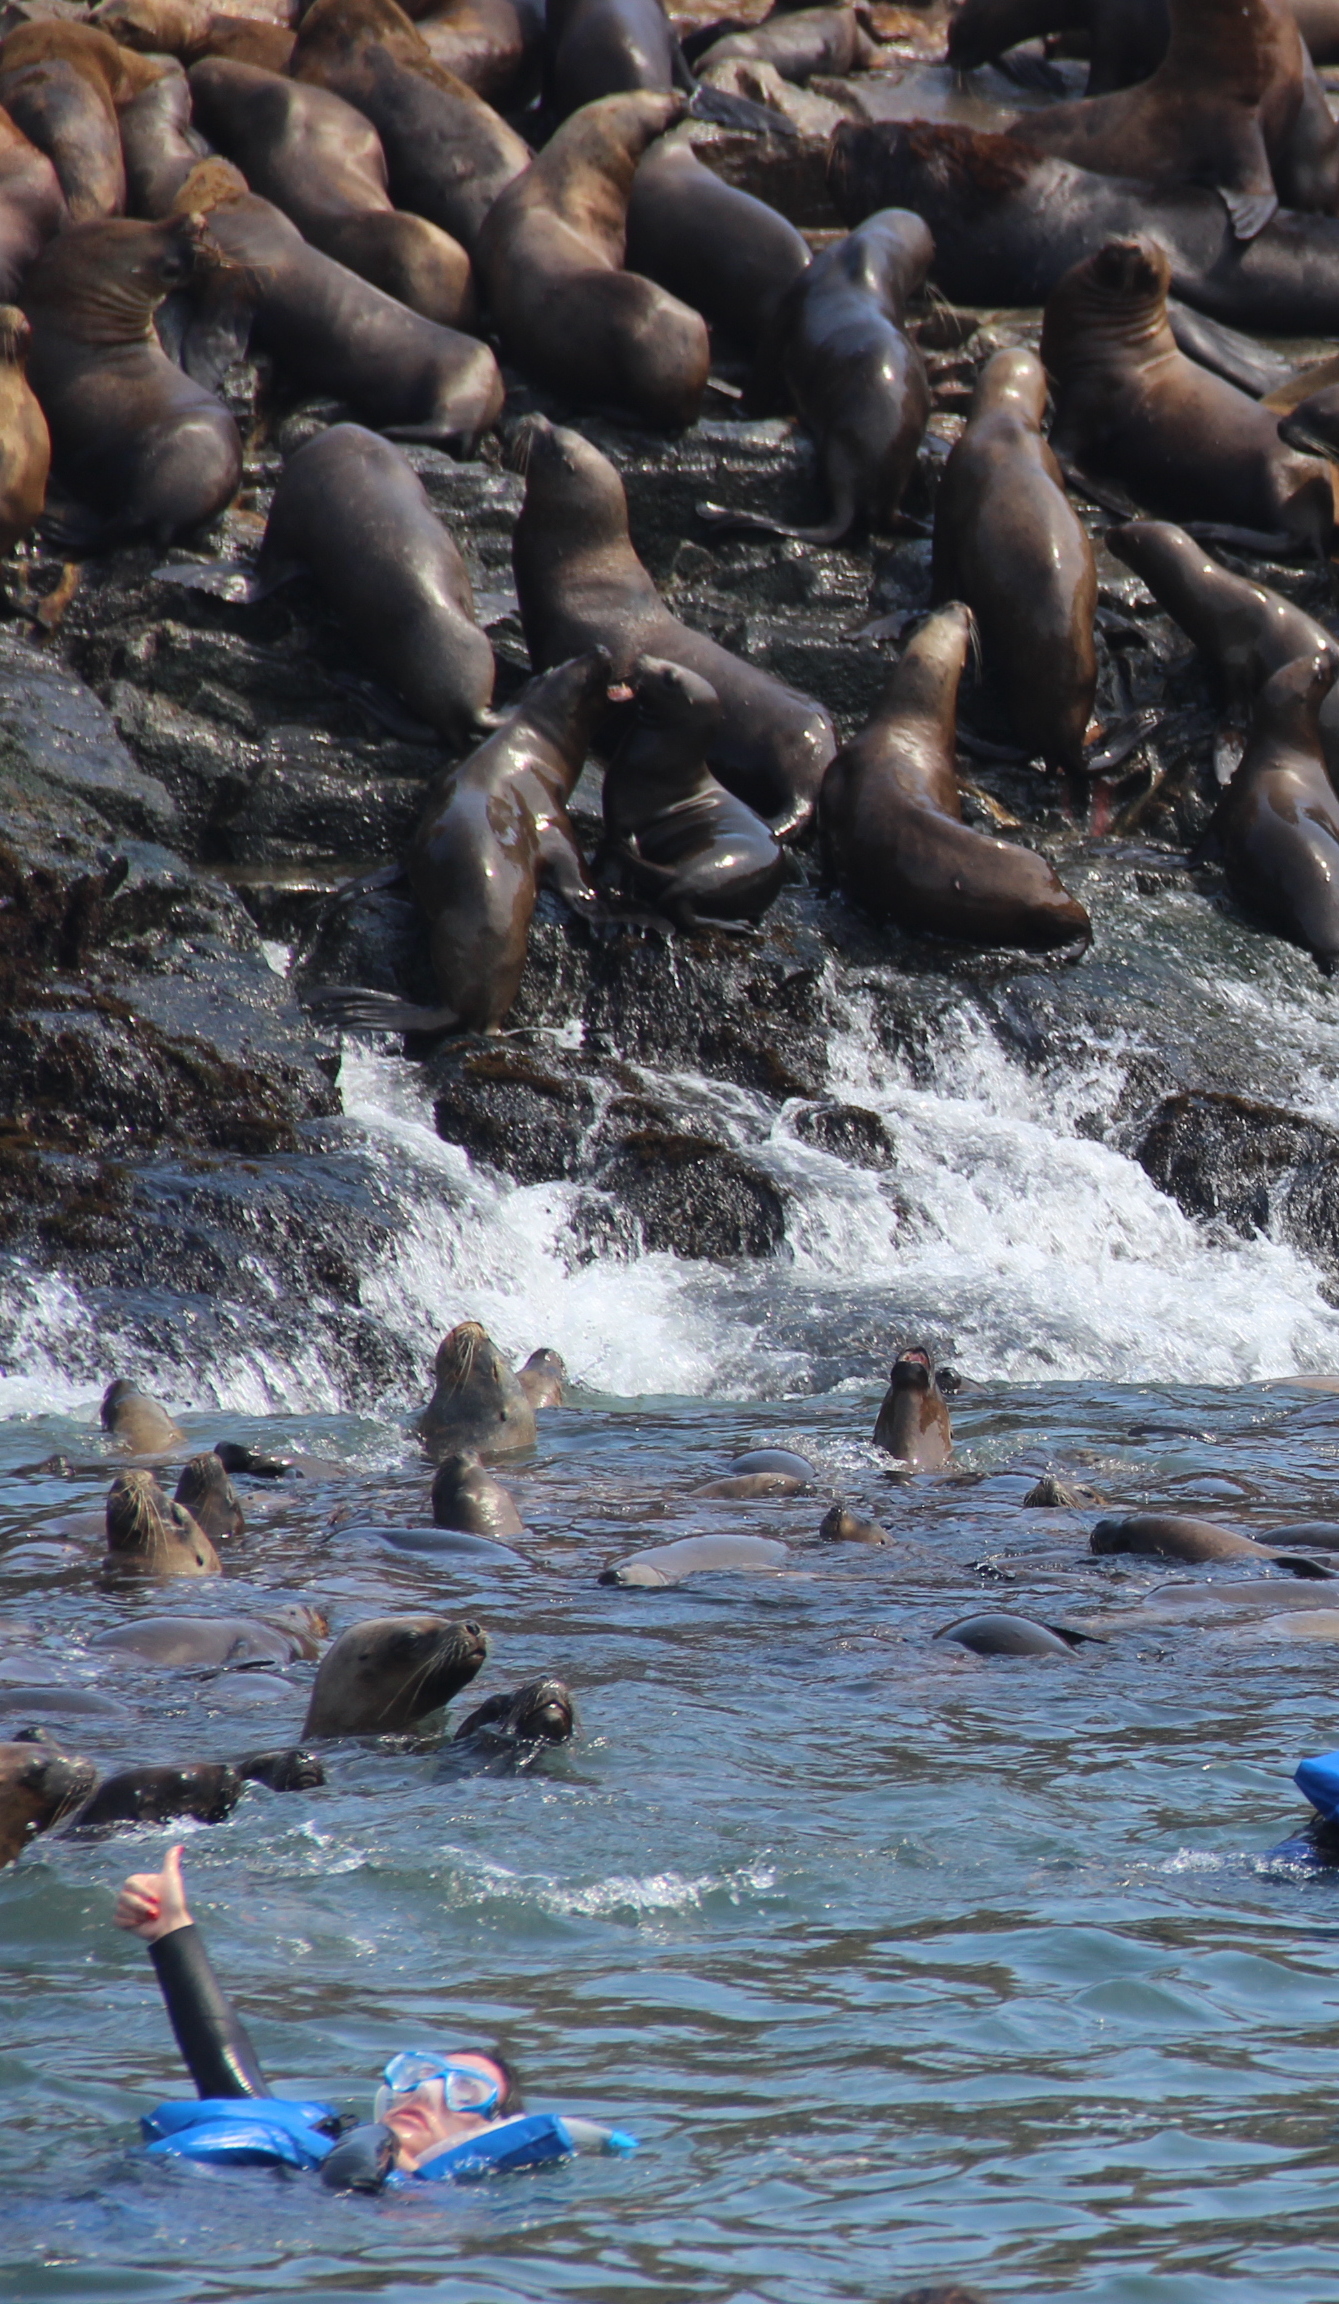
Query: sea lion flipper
<point>725,110</point>
<point>1249,211</point>
<point>356,1009</point>
<point>1118,743</point>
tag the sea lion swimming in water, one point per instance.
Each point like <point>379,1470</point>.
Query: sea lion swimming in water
<point>664,1564</point>
<point>913,1421</point>
<point>382,1676</point>
<point>543,1379</point>
<point>205,1790</point>
<point>999,1634</point>
<point>205,1491</point>
<point>38,1786</point>
<point>1277,823</point>
<point>178,1643</point>
<point>147,1536</point>
<point>136,1420</point>
<point>842,1526</point>
<point>1175,1536</point>
<point>512,1729</point>
<point>466,1497</point>
<point>478,1402</point>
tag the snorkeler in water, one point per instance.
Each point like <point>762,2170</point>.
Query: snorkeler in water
<point>450,2114</point>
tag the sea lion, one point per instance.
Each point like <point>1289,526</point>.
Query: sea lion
<point>464,1496</point>
<point>177,1643</point>
<point>61,83</point>
<point>32,205</point>
<point>1277,823</point>
<point>667,1564</point>
<point>477,1401</point>
<point>328,329</point>
<point>495,827</point>
<point>713,246</point>
<point>913,1422</point>
<point>448,154</point>
<point>842,1526</point>
<point>291,1770</point>
<point>751,1487</point>
<point>147,1536</point>
<point>1306,1535</point>
<point>141,445</point>
<point>543,1379</point>
<point>159,145</point>
<point>1131,407</point>
<point>853,375</point>
<point>1174,1536</point>
<point>494,46</point>
<point>999,1634</point>
<point>539,1713</point>
<point>1126,39</point>
<point>190,29</point>
<point>673,836</point>
<point>786,1460</point>
<point>38,1786</point>
<point>235,1457</point>
<point>431,1543</point>
<point>1246,631</point>
<point>205,1491</point>
<point>891,817</point>
<point>598,48</point>
<point>798,43</point>
<point>581,585</point>
<point>320,161</point>
<point>382,1676</point>
<point>1008,542</point>
<point>137,1421</point>
<point>205,1790</point>
<point>550,255</point>
<point>351,510</point>
<point>1052,1495</point>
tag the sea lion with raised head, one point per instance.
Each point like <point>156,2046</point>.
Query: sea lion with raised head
<point>1131,407</point>
<point>1000,1634</point>
<point>516,1721</point>
<point>674,837</point>
<point>495,828</point>
<point>142,446</point>
<point>466,1497</point>
<point>1277,823</point>
<point>550,255</point>
<point>598,48</point>
<point>729,255</point>
<point>448,153</point>
<point>913,1420</point>
<point>665,1564</point>
<point>320,160</point>
<point>137,1421</point>
<point>384,1675</point>
<point>352,512</point>
<point>840,1525</point>
<point>543,1379</point>
<point>853,375</point>
<point>477,1401</point>
<point>38,1786</point>
<point>61,84</point>
<point>581,585</point>
<point>1008,542</point>
<point>205,1491</point>
<point>1246,631</point>
<point>148,1536</point>
<point>1177,1536</point>
<point>890,814</point>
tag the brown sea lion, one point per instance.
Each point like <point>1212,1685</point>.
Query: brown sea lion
<point>842,1526</point>
<point>1009,543</point>
<point>137,1421</point>
<point>891,817</point>
<point>1277,823</point>
<point>61,83</point>
<point>581,585</point>
<point>494,46</point>
<point>543,1379</point>
<point>38,1786</point>
<point>449,155</point>
<point>205,1491</point>
<point>464,1496</point>
<point>673,836</point>
<point>190,29</point>
<point>148,1536</point>
<point>853,375</point>
<point>32,205</point>
<point>550,255</point>
<point>477,1402</point>
<point>495,828</point>
<point>141,445</point>
<point>539,1713</point>
<point>728,255</point>
<point>799,42</point>
<point>382,1676</point>
<point>1246,631</point>
<point>599,48</point>
<point>352,511</point>
<point>1130,407</point>
<point>1175,1536</point>
<point>665,1564</point>
<point>913,1421</point>
<point>320,161</point>
<point>159,145</point>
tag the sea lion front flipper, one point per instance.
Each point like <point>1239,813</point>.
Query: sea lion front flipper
<point>1249,211</point>
<point>357,1009</point>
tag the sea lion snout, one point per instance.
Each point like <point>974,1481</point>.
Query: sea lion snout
<point>912,1370</point>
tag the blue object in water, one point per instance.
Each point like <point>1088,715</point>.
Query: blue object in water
<point>241,2131</point>
<point>1318,1781</point>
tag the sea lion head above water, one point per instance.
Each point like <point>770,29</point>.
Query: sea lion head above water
<point>464,1496</point>
<point>539,1713</point>
<point>478,1402</point>
<point>137,1420</point>
<point>382,1676</point>
<point>913,1422</point>
<point>543,1379</point>
<point>38,1786</point>
<point>205,1491</point>
<point>148,1536</point>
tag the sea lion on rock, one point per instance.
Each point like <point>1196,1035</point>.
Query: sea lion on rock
<point>891,817</point>
<point>38,1786</point>
<point>999,1634</point>
<point>719,249</point>
<point>32,205</point>
<point>478,1402</point>
<point>913,1421</point>
<point>320,160</point>
<point>1277,823</point>
<point>136,1420</point>
<point>1175,1536</point>
<point>1246,631</point>
<point>61,83</point>
<point>543,1379</point>
<point>1130,407</point>
<point>798,43</point>
<point>494,829</point>
<point>464,1496</point>
<point>667,1564</point>
<point>141,445</point>
<point>550,255</point>
<point>673,836</point>
<point>351,510</point>
<point>159,145</point>
<point>853,375</point>
<point>492,45</point>
<point>842,1526</point>
<point>382,1676</point>
<point>147,1536</point>
<point>581,585</point>
<point>1008,542</point>
<point>205,1491</point>
<point>597,48</point>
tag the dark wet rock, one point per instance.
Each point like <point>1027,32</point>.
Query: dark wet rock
<point>849,1133</point>
<point>527,1112</point>
<point>693,1197</point>
<point>1253,1167</point>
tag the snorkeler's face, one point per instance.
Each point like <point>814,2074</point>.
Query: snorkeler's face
<point>422,2122</point>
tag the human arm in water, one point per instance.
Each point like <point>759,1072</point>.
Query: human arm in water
<point>210,2033</point>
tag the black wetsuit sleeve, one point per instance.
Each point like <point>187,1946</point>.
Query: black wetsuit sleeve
<point>210,2033</point>
<point>361,2161</point>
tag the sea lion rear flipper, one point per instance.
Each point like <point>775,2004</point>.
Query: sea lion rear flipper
<point>1271,543</point>
<point>726,110</point>
<point>829,532</point>
<point>356,1009</point>
<point>1119,742</point>
<point>1249,211</point>
<point>1298,1565</point>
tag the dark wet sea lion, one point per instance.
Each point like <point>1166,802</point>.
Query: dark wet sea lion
<point>147,1536</point>
<point>495,828</point>
<point>674,837</point>
<point>64,1703</point>
<point>328,329</point>
<point>144,447</point>
<point>1246,631</point>
<point>234,1457</point>
<point>913,1421</point>
<point>1130,407</point>
<point>891,817</point>
<point>206,1492</point>
<point>464,1496</point>
<point>550,256</point>
<point>856,380</point>
<point>492,45</point>
<point>999,1634</point>
<point>291,1770</point>
<point>543,1378</point>
<point>206,1790</point>
<point>159,145</point>
<point>136,1420</point>
<point>1305,1535</point>
<point>730,256</point>
<point>320,160</point>
<point>38,1786</point>
<point>694,1556</point>
<point>1054,1495</point>
<point>581,585</point>
<point>1174,1536</point>
<point>1127,39</point>
<point>752,1487</point>
<point>352,511</point>
<point>799,42</point>
<point>207,1642</point>
<point>449,155</point>
<point>190,29</point>
<point>1277,824</point>
<point>539,1713</point>
<point>61,84</point>
<point>787,1460</point>
<point>477,1402</point>
<point>597,48</point>
<point>383,1675</point>
<point>1008,542</point>
<point>842,1526</point>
